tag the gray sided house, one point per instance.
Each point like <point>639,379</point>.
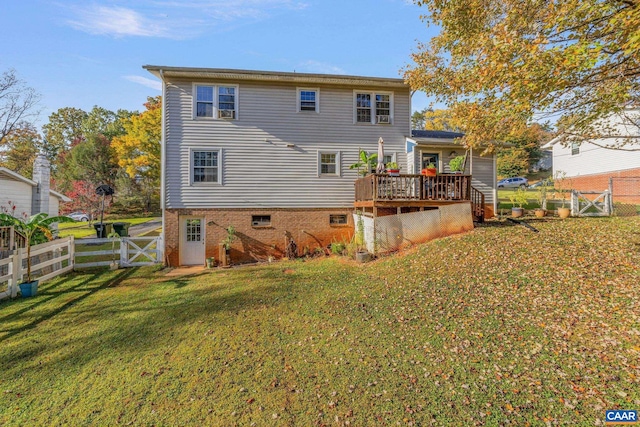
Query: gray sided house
<point>30,196</point>
<point>268,153</point>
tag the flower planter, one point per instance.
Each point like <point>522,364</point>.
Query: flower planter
<point>29,289</point>
<point>517,212</point>
<point>393,172</point>
<point>564,212</point>
<point>540,213</point>
<point>429,172</point>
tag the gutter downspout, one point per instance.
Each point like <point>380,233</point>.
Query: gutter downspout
<point>163,171</point>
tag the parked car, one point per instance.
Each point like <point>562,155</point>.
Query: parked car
<point>546,182</point>
<point>513,182</point>
<point>79,216</point>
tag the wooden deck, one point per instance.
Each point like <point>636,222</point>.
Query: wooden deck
<point>416,192</point>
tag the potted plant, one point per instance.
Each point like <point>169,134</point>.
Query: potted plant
<point>518,198</point>
<point>36,229</point>
<point>542,200</point>
<point>362,255</point>
<point>430,170</point>
<point>366,162</point>
<point>225,246</point>
<point>457,164</point>
<point>562,186</point>
<point>393,169</point>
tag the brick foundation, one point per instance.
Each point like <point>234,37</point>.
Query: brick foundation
<point>310,228</point>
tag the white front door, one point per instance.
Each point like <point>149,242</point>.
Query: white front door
<point>191,241</point>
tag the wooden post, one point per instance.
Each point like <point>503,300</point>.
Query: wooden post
<point>72,252</point>
<point>124,252</point>
<point>14,270</point>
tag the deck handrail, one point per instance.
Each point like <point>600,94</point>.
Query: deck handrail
<point>477,204</point>
<point>409,187</point>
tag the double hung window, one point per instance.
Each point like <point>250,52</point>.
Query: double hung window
<point>205,166</point>
<point>373,107</point>
<point>216,101</point>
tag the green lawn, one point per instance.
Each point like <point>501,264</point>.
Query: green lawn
<point>542,328</point>
<point>85,229</point>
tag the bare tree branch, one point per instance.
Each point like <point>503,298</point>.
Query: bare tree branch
<point>18,103</point>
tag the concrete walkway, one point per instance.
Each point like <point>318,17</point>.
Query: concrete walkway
<point>145,227</point>
<point>186,271</point>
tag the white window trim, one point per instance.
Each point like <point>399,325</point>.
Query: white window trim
<point>338,163</point>
<point>373,94</point>
<point>220,166</point>
<point>308,89</point>
<point>215,86</point>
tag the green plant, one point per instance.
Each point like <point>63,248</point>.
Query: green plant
<point>337,248</point>
<point>457,164</point>
<point>231,237</point>
<point>562,185</point>
<point>542,196</point>
<point>359,236</point>
<point>366,161</point>
<point>430,166</point>
<point>392,165</point>
<point>518,198</point>
<point>31,228</point>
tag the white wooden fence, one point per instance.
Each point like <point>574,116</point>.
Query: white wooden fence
<point>48,260</point>
<point>60,256</point>
<point>125,251</point>
<point>597,203</point>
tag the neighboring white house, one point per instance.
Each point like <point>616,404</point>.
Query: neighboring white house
<point>589,165</point>
<point>268,153</point>
<point>30,196</point>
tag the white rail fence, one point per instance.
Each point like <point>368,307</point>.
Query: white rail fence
<point>48,260</point>
<point>124,251</point>
<point>60,256</point>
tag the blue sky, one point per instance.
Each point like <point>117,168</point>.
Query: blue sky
<point>81,53</point>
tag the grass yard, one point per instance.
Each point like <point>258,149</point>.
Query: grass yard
<point>542,328</point>
<point>85,229</point>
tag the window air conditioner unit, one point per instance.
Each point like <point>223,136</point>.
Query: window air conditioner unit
<point>385,119</point>
<point>226,114</point>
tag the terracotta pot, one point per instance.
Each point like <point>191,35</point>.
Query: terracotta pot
<point>540,213</point>
<point>393,172</point>
<point>429,171</point>
<point>564,212</point>
<point>517,212</point>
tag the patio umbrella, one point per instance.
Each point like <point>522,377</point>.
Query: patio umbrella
<point>380,168</point>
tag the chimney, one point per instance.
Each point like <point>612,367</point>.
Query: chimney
<point>42,176</point>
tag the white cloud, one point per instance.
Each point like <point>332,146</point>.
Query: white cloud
<point>115,21</point>
<point>312,66</point>
<point>170,18</point>
<point>152,83</point>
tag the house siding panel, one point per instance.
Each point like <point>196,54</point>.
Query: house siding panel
<point>593,159</point>
<point>18,193</point>
<point>259,170</point>
<point>483,176</point>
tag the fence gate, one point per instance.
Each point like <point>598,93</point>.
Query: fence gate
<point>591,203</point>
<point>139,251</point>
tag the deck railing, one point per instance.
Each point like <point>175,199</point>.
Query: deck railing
<point>383,187</point>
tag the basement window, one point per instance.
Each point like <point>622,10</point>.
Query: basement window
<point>261,220</point>
<point>337,219</point>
